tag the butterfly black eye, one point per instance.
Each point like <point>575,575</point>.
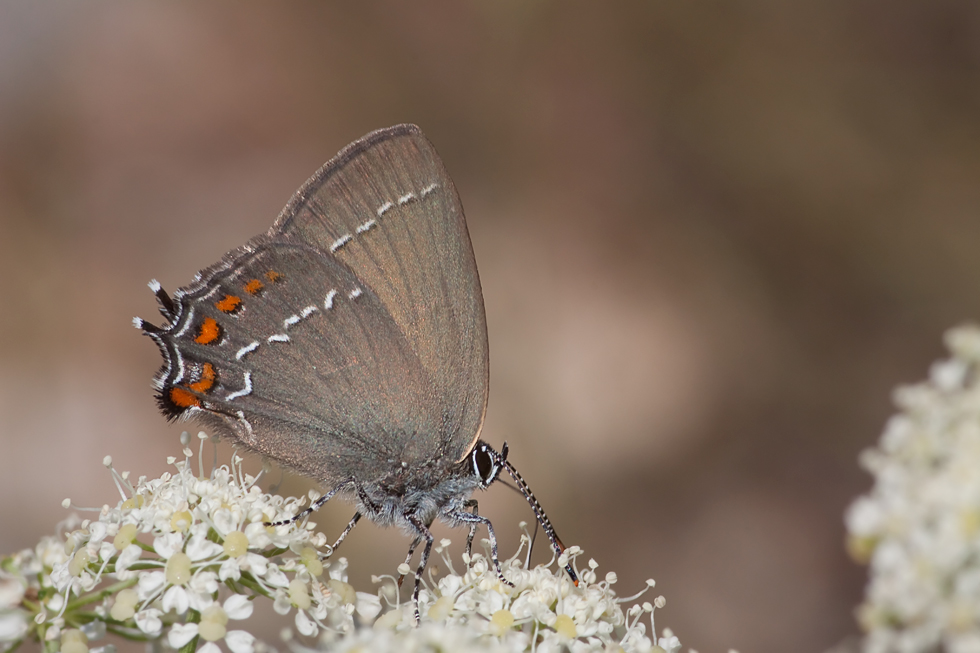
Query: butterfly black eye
<point>484,465</point>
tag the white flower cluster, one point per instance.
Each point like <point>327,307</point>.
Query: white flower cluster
<point>183,555</point>
<point>152,567</point>
<point>474,611</point>
<point>919,527</point>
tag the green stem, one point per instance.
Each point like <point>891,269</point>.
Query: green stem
<point>190,646</point>
<point>85,599</point>
<point>128,634</point>
<point>247,580</point>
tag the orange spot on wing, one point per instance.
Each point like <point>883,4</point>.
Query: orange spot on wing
<point>209,332</point>
<point>182,398</point>
<point>254,286</point>
<point>273,276</point>
<point>228,304</point>
<point>208,377</point>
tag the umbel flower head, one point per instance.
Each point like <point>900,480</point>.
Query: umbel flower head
<point>919,526</point>
<point>181,560</point>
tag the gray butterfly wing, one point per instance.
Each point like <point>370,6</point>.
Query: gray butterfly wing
<point>387,208</point>
<point>349,339</point>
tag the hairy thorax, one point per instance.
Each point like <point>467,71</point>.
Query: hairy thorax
<point>402,501</point>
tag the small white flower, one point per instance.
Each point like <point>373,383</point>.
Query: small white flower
<point>368,606</point>
<point>669,643</point>
<point>199,547</point>
<point>167,544</point>
<point>282,604</point>
<point>240,641</point>
<point>230,570</point>
<point>204,582</point>
<point>149,621</point>
<point>97,532</point>
<point>224,521</point>
<point>257,534</point>
<point>175,599</point>
<point>275,577</point>
<point>304,625</point>
<point>253,562</point>
<point>127,557</point>
<point>150,583</point>
<point>238,607</point>
<point>181,634</point>
<point>211,627</point>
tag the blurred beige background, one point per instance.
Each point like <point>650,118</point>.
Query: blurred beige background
<point>712,237</point>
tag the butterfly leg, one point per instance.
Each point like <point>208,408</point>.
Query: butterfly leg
<point>343,536</point>
<point>473,519</point>
<point>408,558</point>
<point>316,504</point>
<point>474,504</point>
<point>367,502</point>
<point>427,534</point>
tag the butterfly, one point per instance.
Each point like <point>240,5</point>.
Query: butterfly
<point>349,343</point>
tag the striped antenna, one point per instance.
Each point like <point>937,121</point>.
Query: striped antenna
<point>538,510</point>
